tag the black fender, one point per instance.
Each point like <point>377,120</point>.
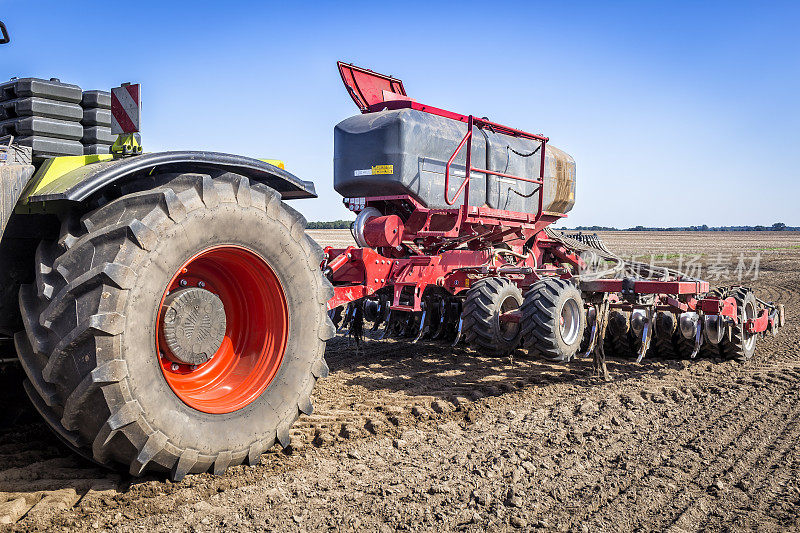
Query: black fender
<point>80,184</point>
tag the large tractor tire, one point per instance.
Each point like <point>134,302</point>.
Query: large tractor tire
<point>553,319</point>
<point>741,345</point>
<point>482,328</point>
<point>178,329</point>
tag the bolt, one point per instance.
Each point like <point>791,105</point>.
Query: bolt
<point>201,284</point>
<point>376,280</point>
<point>175,367</point>
<point>184,283</point>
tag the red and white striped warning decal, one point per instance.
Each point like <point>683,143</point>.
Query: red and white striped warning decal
<point>126,106</point>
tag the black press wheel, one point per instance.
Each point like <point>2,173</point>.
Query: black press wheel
<point>482,327</point>
<point>741,345</point>
<point>553,319</point>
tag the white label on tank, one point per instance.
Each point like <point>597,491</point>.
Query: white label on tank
<point>375,170</point>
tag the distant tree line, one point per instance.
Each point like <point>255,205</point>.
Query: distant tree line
<point>778,226</point>
<point>330,224</point>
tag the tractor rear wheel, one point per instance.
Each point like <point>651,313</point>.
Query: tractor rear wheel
<point>482,327</point>
<point>553,319</point>
<point>178,329</point>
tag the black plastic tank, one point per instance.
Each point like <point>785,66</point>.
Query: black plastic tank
<point>405,152</point>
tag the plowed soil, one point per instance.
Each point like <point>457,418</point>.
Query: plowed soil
<point>429,437</point>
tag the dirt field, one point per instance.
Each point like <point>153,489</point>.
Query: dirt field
<point>425,437</point>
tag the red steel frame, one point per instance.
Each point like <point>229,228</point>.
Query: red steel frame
<point>360,272</point>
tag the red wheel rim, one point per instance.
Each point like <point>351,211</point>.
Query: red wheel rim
<point>255,337</point>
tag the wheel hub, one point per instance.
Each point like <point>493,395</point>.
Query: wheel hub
<point>235,354</point>
<point>194,325</point>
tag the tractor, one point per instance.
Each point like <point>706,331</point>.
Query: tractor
<point>171,314</point>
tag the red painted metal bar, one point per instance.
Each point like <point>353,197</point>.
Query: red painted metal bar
<point>647,287</point>
<point>542,161</point>
<point>470,124</point>
<point>759,324</point>
<point>469,168</point>
<point>529,180</point>
<point>343,294</point>
<point>405,104</point>
<point>468,136</point>
<point>513,317</point>
<point>717,306</point>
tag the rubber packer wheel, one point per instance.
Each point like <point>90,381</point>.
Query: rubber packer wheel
<point>93,330</point>
<point>618,334</point>
<point>742,345</point>
<point>666,337</point>
<point>483,330</point>
<point>553,319</point>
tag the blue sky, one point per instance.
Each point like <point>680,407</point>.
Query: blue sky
<point>676,113</point>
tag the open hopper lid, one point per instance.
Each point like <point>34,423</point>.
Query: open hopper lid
<point>368,88</point>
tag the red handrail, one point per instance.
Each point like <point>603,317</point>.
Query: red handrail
<point>447,169</point>
<point>469,168</point>
<point>540,181</point>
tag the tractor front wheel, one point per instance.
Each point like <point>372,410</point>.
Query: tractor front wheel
<point>179,328</point>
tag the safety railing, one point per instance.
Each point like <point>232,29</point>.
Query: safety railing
<point>469,169</point>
